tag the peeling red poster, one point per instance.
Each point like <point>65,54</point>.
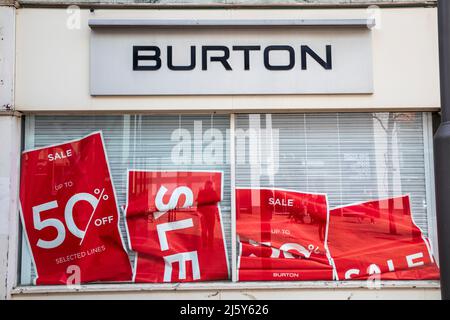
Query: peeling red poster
<point>70,214</point>
<point>282,235</point>
<point>379,237</point>
<point>175,226</point>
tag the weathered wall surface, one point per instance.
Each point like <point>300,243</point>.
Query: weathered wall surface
<point>268,293</point>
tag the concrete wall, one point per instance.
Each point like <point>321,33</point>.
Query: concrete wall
<point>267,294</point>
<point>10,138</point>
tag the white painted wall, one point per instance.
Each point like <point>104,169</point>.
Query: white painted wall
<point>53,63</point>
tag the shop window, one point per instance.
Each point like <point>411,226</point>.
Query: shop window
<point>289,170</point>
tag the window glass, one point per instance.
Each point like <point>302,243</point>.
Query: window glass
<point>297,177</point>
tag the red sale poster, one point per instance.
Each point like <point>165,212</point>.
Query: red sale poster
<point>379,238</point>
<point>282,235</point>
<point>175,226</point>
<point>70,215</point>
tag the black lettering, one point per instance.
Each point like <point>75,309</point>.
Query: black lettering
<point>327,65</point>
<point>155,57</point>
<point>223,59</point>
<point>170,65</point>
<point>269,66</point>
<point>246,50</point>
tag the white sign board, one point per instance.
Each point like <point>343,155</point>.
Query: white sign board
<point>169,60</point>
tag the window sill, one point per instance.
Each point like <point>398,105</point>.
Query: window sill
<point>140,287</point>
